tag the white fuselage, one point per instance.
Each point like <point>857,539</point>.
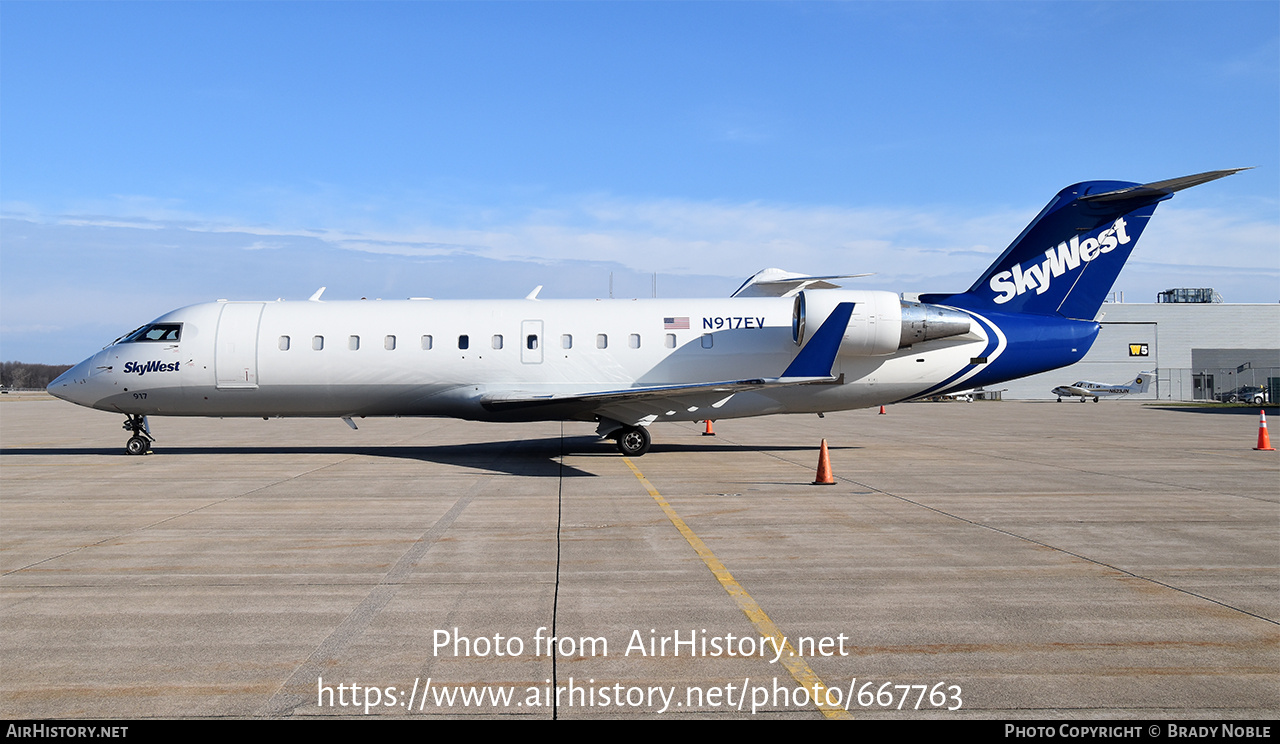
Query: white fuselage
<point>406,358</point>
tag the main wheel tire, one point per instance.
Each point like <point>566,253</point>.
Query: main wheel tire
<point>634,441</point>
<point>137,446</point>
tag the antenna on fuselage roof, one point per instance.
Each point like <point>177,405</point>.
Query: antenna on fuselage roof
<point>316,297</point>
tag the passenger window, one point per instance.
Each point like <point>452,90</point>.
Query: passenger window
<point>284,343</point>
<point>634,341</point>
<point>389,343</point>
<point>671,341</point>
<point>497,341</point>
<point>317,343</point>
<point>353,343</point>
<point>426,343</point>
<point>707,340</point>
<point>531,342</point>
<point>464,341</point>
<point>602,341</point>
<point>566,341</point>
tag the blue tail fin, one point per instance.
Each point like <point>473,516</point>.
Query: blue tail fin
<point>1065,262</point>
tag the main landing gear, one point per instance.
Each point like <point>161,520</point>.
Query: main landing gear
<point>633,441</point>
<point>140,442</point>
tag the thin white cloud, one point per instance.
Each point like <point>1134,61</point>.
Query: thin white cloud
<point>1212,237</point>
<point>926,246</point>
<point>400,248</point>
<point>711,238</point>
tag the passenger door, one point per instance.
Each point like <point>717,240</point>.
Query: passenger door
<point>236,352</point>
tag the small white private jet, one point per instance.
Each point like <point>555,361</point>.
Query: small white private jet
<point>1086,389</point>
<point>782,343</point>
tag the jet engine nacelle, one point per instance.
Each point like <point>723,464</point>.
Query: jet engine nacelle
<point>880,324</point>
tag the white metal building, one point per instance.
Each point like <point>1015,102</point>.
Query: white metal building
<point>1199,350</point>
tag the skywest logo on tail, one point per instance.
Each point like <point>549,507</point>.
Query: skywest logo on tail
<point>1068,256</point>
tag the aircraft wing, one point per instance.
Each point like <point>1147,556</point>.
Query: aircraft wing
<point>516,399</point>
<point>638,405</point>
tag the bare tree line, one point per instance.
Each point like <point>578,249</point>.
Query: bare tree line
<point>21,375</point>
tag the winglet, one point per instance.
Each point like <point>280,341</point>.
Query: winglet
<point>819,355</point>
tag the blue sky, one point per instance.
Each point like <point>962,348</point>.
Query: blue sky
<point>154,155</point>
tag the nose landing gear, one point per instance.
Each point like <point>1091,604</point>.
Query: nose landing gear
<point>140,442</point>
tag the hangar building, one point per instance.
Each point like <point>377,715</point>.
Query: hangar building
<point>1199,349</point>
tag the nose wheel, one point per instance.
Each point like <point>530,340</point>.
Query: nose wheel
<point>140,442</point>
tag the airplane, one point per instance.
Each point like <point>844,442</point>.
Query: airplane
<point>1086,389</point>
<point>967,396</point>
<point>782,343</point>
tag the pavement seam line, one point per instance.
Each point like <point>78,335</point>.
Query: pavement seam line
<point>1039,463</point>
<point>794,663</point>
<point>189,512</point>
<point>354,624</point>
<point>171,517</point>
<point>1042,544</point>
<point>555,600</point>
<point>1033,541</point>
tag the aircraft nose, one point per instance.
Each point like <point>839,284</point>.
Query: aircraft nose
<point>73,385</point>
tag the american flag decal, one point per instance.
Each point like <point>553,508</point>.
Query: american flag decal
<point>676,324</point>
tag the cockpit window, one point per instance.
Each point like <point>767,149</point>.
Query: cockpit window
<point>155,332</point>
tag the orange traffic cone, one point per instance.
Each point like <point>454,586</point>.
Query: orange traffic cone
<point>881,410</point>
<point>708,432</point>
<point>1264,441</point>
<point>824,468</point>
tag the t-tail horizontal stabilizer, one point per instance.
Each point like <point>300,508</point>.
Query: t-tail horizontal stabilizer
<point>1165,188</point>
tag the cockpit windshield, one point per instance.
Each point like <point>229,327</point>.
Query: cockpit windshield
<point>171,332</point>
